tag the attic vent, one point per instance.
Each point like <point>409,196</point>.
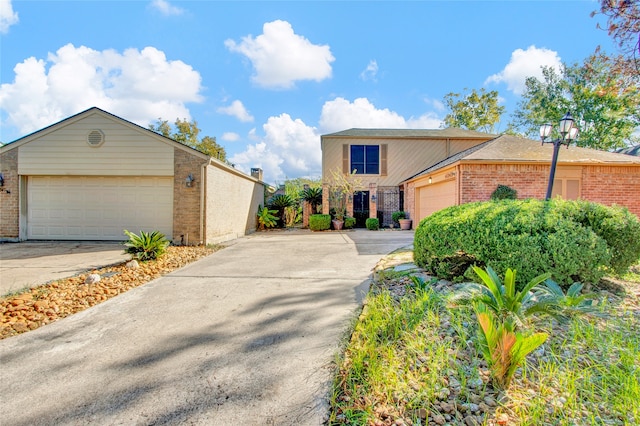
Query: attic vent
<point>95,138</point>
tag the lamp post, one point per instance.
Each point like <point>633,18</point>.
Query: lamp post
<point>567,134</point>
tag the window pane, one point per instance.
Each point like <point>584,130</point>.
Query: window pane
<point>372,158</point>
<point>357,159</point>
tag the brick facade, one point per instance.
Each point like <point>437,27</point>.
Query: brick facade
<point>612,185</point>
<point>478,181</point>
<point>187,200</point>
<point>10,196</point>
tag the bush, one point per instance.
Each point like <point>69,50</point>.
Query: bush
<point>319,222</point>
<point>372,224</point>
<point>396,216</point>
<point>146,246</point>
<point>349,222</point>
<point>574,241</point>
<point>503,192</point>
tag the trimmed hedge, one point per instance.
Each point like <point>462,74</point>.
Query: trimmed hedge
<point>319,222</point>
<point>349,222</point>
<point>372,224</point>
<point>574,240</point>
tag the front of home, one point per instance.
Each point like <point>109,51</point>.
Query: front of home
<point>423,171</point>
<point>380,159</point>
<point>94,174</point>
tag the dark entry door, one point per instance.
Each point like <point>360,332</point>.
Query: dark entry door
<point>361,207</point>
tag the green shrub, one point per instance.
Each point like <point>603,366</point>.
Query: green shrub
<point>503,192</point>
<point>319,222</point>
<point>349,222</point>
<point>372,224</point>
<point>266,218</point>
<point>146,246</point>
<point>530,236</point>
<point>616,225</point>
<point>396,216</point>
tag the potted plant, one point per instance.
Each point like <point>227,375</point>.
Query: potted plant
<point>396,216</point>
<point>342,186</point>
<point>405,224</point>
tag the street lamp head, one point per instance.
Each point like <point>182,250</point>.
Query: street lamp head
<point>566,124</point>
<point>545,131</point>
<point>573,134</point>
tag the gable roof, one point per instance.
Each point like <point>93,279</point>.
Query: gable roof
<point>450,132</point>
<point>95,110</point>
<point>514,149</point>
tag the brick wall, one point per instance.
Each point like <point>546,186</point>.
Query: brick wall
<point>602,184</point>
<point>612,185</point>
<point>10,196</point>
<point>186,200</point>
<point>478,181</point>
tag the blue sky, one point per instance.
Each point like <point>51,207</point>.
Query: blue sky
<point>268,78</point>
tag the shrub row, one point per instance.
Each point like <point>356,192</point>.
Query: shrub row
<point>573,240</point>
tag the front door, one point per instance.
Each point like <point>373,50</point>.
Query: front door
<point>361,208</point>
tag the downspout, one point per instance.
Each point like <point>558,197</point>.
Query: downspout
<point>203,238</point>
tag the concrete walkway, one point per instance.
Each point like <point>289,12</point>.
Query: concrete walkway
<point>33,263</point>
<point>245,336</point>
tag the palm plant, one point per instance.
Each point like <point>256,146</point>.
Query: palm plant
<point>312,196</point>
<point>146,246</point>
<point>279,203</point>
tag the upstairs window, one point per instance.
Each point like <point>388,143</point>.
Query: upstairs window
<point>365,159</point>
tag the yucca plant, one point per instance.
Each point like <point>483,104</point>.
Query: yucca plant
<point>501,345</point>
<point>502,297</point>
<point>266,218</point>
<point>146,246</point>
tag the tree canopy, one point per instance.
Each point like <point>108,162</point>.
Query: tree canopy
<point>604,103</point>
<point>187,133</point>
<point>478,110</point>
<point>623,25</point>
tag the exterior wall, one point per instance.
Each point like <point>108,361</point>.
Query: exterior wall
<point>612,185</point>
<point>478,181</point>
<point>10,196</point>
<point>232,203</point>
<point>125,151</point>
<point>187,201</point>
<point>405,156</point>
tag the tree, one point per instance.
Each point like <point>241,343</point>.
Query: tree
<point>623,25</point>
<point>473,111</point>
<point>187,133</point>
<point>603,101</point>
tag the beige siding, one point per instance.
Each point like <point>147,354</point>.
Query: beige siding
<point>405,157</point>
<point>126,151</point>
<point>232,204</point>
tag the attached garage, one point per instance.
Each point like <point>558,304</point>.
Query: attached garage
<point>93,175</point>
<point>97,208</point>
<point>434,197</point>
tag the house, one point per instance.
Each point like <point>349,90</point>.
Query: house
<point>92,175</point>
<point>630,150</point>
<point>524,165</point>
<point>383,158</point>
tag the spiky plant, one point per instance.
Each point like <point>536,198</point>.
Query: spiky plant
<point>146,246</point>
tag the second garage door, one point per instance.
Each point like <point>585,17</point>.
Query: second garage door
<point>97,208</point>
<point>436,197</point>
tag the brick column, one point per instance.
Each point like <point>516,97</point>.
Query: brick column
<point>10,196</point>
<point>325,198</point>
<point>350,205</point>
<point>373,195</point>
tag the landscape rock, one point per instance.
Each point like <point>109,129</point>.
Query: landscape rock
<point>92,279</point>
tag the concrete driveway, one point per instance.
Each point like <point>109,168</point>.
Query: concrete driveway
<point>33,263</point>
<point>245,336</point>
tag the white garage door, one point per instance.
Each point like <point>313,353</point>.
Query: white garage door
<point>436,197</point>
<point>97,208</point>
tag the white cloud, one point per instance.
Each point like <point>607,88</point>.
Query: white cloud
<point>7,16</point>
<point>370,72</point>
<point>237,110</point>
<point>140,86</point>
<point>280,57</point>
<point>523,64</point>
<point>166,8</point>
<point>340,114</point>
<point>230,137</point>
<point>289,148</point>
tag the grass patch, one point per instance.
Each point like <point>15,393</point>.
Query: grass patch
<point>412,361</point>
